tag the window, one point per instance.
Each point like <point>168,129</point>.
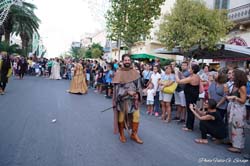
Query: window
<point>217,4</point>
<point>221,4</point>
<point>224,4</point>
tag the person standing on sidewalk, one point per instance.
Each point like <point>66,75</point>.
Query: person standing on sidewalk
<point>49,64</point>
<point>180,100</point>
<point>154,79</point>
<point>5,71</point>
<point>126,98</point>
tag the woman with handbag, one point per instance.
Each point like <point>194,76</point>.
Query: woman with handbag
<point>192,90</point>
<point>167,79</point>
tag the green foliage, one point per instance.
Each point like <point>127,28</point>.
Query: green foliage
<point>22,21</point>
<point>88,54</point>
<point>96,45</point>
<point>96,53</point>
<point>131,21</point>
<point>192,23</point>
<point>96,50</point>
<point>13,49</point>
<point>77,52</point>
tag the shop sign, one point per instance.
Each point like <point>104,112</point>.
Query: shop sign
<point>237,41</point>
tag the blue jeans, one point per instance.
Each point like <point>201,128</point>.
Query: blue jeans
<point>69,75</point>
<point>156,102</point>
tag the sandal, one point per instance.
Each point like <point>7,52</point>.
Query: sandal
<point>234,150</point>
<point>186,129</point>
<point>167,121</point>
<point>201,141</point>
<point>217,141</point>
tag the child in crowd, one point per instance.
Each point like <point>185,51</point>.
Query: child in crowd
<point>150,98</point>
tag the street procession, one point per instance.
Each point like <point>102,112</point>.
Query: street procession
<point>139,83</point>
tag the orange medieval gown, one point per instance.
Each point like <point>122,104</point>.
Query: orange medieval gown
<point>78,83</point>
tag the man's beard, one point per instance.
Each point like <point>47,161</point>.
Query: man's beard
<point>127,65</point>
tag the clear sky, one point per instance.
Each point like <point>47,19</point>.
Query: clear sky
<point>63,21</point>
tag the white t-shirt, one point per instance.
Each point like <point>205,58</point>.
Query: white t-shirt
<point>150,94</point>
<point>155,78</point>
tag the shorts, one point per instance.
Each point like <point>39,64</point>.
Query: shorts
<point>149,102</point>
<point>109,85</point>
<point>87,76</point>
<point>165,97</point>
<point>179,98</point>
<point>37,70</point>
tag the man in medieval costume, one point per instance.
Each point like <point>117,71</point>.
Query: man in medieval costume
<point>126,98</point>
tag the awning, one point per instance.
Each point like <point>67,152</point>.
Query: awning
<point>150,56</point>
<point>227,52</point>
<point>142,56</point>
<point>223,52</point>
<point>174,51</point>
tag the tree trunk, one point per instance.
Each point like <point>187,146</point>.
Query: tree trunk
<point>7,37</point>
<point>7,29</point>
<point>25,42</point>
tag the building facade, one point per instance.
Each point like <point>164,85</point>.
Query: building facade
<point>239,13</point>
<point>150,45</point>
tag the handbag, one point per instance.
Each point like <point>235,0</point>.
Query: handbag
<point>170,89</point>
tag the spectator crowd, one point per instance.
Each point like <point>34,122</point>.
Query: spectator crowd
<point>182,92</point>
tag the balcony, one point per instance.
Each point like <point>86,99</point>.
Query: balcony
<point>240,14</point>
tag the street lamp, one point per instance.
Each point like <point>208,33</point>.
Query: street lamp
<point>5,7</point>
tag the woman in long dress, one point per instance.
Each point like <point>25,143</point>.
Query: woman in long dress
<point>55,71</point>
<point>237,111</point>
<point>78,84</point>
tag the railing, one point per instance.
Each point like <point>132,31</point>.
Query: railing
<point>240,14</point>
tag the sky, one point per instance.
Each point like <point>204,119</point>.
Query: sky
<point>62,22</point>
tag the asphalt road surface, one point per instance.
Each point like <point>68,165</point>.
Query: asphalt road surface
<point>83,136</point>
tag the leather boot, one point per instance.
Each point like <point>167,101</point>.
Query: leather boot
<point>134,135</point>
<point>121,131</point>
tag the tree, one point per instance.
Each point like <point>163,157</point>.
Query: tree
<point>11,49</point>
<point>96,50</point>
<point>22,21</point>
<point>88,54</point>
<point>82,52</point>
<point>192,23</point>
<point>96,53</point>
<point>131,21</point>
<point>77,52</point>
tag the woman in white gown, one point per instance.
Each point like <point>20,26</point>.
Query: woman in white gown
<point>55,70</point>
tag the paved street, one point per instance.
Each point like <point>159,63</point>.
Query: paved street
<point>83,136</point>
